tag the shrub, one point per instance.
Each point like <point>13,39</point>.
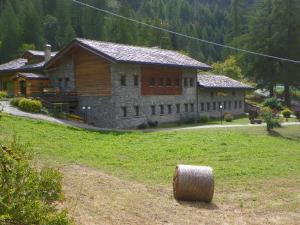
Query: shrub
<point>204,119</point>
<point>142,126</point>
<point>267,115</point>
<point>28,105</point>
<point>3,94</point>
<point>15,101</point>
<point>228,117</point>
<point>286,113</point>
<point>28,196</point>
<point>273,103</point>
<point>190,120</point>
<point>152,124</point>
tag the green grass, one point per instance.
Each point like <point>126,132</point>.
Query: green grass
<point>236,154</point>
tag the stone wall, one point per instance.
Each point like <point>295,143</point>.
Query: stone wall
<point>65,72</point>
<point>129,96</point>
<point>233,102</point>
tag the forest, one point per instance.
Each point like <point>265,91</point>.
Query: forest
<point>270,27</point>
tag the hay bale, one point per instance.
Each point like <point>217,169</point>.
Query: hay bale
<point>193,183</point>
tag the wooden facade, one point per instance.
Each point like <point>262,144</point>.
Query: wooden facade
<point>29,87</point>
<point>161,81</point>
<point>92,75</point>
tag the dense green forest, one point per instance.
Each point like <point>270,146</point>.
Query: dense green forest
<point>266,26</point>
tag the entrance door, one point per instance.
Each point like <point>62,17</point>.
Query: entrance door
<point>23,87</point>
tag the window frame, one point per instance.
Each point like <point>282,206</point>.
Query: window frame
<point>124,112</point>
<point>137,110</point>
<point>123,80</point>
<point>162,109</point>
<point>153,110</point>
<point>136,82</point>
<point>178,108</point>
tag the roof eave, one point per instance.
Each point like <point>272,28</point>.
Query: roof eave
<point>220,87</point>
<point>164,64</point>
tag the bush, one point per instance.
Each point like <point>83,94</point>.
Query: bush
<point>15,101</point>
<point>28,196</point>
<point>3,94</point>
<point>142,126</point>
<point>267,115</point>
<point>190,120</point>
<point>228,117</point>
<point>204,119</point>
<point>286,113</point>
<point>152,124</point>
<point>273,103</point>
<point>28,105</point>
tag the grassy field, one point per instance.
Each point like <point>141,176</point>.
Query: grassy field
<point>237,154</point>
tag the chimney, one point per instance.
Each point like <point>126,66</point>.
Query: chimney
<point>47,52</point>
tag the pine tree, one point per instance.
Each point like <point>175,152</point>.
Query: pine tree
<point>286,39</point>
<point>10,30</point>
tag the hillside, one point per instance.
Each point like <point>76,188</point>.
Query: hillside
<point>30,23</point>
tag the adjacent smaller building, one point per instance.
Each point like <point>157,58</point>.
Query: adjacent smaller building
<point>30,84</point>
<point>218,91</point>
<point>32,61</point>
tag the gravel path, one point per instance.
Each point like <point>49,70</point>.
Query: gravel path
<point>7,108</point>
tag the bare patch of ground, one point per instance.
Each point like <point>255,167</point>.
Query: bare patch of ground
<point>93,197</point>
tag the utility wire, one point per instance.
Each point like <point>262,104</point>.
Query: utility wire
<point>186,36</point>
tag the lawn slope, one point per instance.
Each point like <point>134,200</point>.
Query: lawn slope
<point>236,154</point>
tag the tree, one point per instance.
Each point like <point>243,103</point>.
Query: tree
<point>260,39</point>
<point>10,33</point>
<point>229,68</point>
<point>286,41</point>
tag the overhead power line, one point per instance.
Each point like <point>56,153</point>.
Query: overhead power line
<point>186,36</point>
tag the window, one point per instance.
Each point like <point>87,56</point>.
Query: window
<point>240,104</point>
<point>67,82</point>
<point>229,104</point>
<point>124,111</point>
<point>185,82</point>
<point>162,109</point>
<point>123,80</point>
<point>177,82</point>
<point>235,104</point>
<point>60,83</point>
<point>137,110</point>
<point>191,82</point>
<point>161,82</point>
<point>211,94</point>
<point>202,107</point>
<point>219,105</point>
<point>186,108</point>
<point>177,108</point>
<point>153,110</point>
<point>225,105</point>
<point>136,80</point>
<point>168,82</point>
<point>214,106</point>
<point>192,107</point>
<point>208,106</point>
<point>169,109</point>
<point>152,82</point>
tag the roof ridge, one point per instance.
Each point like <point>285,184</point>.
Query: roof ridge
<point>128,45</point>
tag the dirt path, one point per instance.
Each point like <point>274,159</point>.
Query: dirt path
<point>97,198</point>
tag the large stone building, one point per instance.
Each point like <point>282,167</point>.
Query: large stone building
<point>122,86</point>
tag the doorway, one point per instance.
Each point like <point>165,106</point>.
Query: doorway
<point>23,87</point>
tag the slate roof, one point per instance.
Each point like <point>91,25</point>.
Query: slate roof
<point>220,81</point>
<point>19,65</point>
<point>33,76</point>
<point>120,53</point>
<point>40,53</point>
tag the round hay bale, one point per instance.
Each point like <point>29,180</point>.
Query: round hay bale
<point>193,183</point>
